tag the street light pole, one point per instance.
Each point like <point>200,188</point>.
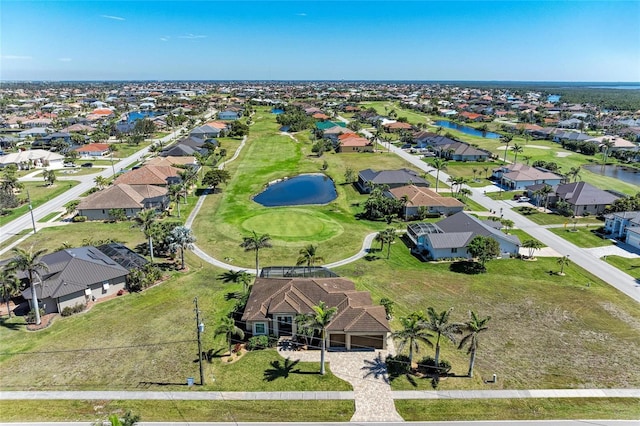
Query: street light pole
<point>200,329</point>
<point>33,221</point>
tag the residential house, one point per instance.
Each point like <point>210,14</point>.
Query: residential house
<point>618,224</point>
<point>93,150</point>
<point>397,126</point>
<point>335,132</point>
<point>460,151</point>
<point>173,161</point>
<point>369,178</point>
<point>130,198</point>
<point>274,304</point>
<point>228,115</point>
<point>38,158</point>
<point>584,198</point>
<point>206,132</point>
<point>618,143</point>
<point>76,276</point>
<point>150,175</point>
<point>431,201</point>
<point>450,237</point>
<point>519,176</point>
<point>355,144</point>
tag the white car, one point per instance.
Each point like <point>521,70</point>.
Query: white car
<point>524,199</point>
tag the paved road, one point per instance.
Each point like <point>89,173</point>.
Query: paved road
<point>586,259</point>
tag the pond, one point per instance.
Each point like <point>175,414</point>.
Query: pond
<point>298,190</point>
<point>467,130</point>
<point>625,174</point>
<point>137,115</point>
<point>277,111</point>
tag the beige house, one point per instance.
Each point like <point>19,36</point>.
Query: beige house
<point>130,198</point>
<point>418,197</point>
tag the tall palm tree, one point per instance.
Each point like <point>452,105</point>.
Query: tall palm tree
<point>486,172</point>
<point>574,173</point>
<point>309,256</point>
<point>146,221</point>
<point>438,164</point>
<point>438,322</point>
<point>473,328</point>
<point>506,139</point>
<point>256,242</point>
<point>606,146</point>
<point>174,192</point>
<point>388,237</point>
<point>181,237</point>
<point>516,149</point>
<point>100,182</point>
<point>237,277</point>
<point>10,286</point>
<point>544,193</point>
<point>320,318</point>
<point>228,328</point>
<point>31,263</point>
<point>413,333</point>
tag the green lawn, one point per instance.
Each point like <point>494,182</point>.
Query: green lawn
<point>519,409</point>
<point>523,236</point>
<point>40,194</point>
<point>625,264</point>
<point>581,236</point>
<point>542,218</point>
<point>48,217</point>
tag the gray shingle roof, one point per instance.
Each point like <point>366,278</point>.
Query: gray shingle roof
<point>463,222</point>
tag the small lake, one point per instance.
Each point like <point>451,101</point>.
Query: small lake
<point>625,174</point>
<point>467,130</point>
<point>298,190</point>
<point>553,98</point>
<point>277,111</point>
<point>137,115</point>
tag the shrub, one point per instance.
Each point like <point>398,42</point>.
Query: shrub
<point>79,218</point>
<point>427,365</point>
<point>31,316</point>
<point>398,365</point>
<point>257,342</point>
<point>70,310</point>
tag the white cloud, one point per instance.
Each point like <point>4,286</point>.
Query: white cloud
<point>192,36</point>
<point>301,14</point>
<point>64,59</point>
<point>115,18</point>
<point>165,38</point>
<point>16,57</point>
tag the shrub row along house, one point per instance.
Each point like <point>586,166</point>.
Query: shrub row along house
<point>274,304</point>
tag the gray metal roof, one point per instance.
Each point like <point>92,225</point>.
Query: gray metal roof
<point>463,222</point>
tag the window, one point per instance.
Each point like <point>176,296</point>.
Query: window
<point>259,328</point>
<point>454,250</point>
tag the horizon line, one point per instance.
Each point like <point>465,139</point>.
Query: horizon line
<point>318,80</point>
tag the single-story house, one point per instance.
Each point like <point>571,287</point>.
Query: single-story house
<point>397,126</point>
<point>618,143</point>
<point>449,237</point>
<point>131,198</point>
<point>206,132</point>
<point>228,115</point>
<point>519,176</point>
<point>173,161</point>
<point>584,198</point>
<point>76,276</point>
<point>150,175</point>
<point>93,150</point>
<point>619,223</point>
<point>39,158</point>
<point>355,144</point>
<point>633,237</point>
<point>369,178</point>
<point>460,151</point>
<point>334,133</point>
<point>418,197</point>
<point>274,304</point>
<point>36,132</point>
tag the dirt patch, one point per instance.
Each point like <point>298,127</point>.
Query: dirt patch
<point>45,321</point>
<point>621,315</point>
<point>234,356</point>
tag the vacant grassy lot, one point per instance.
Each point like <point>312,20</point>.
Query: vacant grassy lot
<point>581,236</point>
<point>546,331</point>
<point>519,409</point>
<point>39,194</point>
<point>629,266</point>
<point>180,411</point>
<point>542,218</point>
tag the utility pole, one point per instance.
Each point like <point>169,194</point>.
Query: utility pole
<point>200,329</point>
<point>33,221</point>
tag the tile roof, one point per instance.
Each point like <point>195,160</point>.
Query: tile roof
<point>121,196</point>
<point>148,175</point>
<point>419,196</point>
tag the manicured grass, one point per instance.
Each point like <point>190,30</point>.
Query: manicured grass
<point>581,236</point>
<point>555,219</point>
<point>473,206</point>
<point>49,217</point>
<point>76,171</point>
<point>39,194</point>
<point>546,331</point>
<point>503,195</point>
<point>179,411</point>
<point>625,264</point>
<point>523,236</point>
<point>519,409</point>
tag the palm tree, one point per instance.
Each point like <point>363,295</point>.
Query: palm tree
<point>181,237</point>
<point>544,192</point>
<point>438,164</point>
<point>438,322</point>
<point>145,221</point>
<point>174,192</point>
<point>320,319</point>
<point>574,173</point>
<point>10,286</point>
<point>30,261</point>
<point>100,182</point>
<point>413,333</point>
<point>228,328</point>
<point>237,277</point>
<point>256,242</point>
<point>486,172</point>
<point>532,245</point>
<point>474,171</point>
<point>516,149</point>
<point>563,261</point>
<point>506,140</point>
<point>606,146</point>
<point>473,328</point>
<point>387,237</point>
<point>309,256</point>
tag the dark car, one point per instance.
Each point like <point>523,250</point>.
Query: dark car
<point>86,165</point>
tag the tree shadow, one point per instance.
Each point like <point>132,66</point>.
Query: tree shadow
<point>280,370</point>
<point>233,295</point>
<point>149,384</point>
<point>371,257</point>
<point>4,322</point>
<point>468,267</point>
<point>376,368</point>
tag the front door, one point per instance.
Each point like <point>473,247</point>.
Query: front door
<point>285,325</point>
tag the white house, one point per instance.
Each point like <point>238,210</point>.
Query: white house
<point>39,158</point>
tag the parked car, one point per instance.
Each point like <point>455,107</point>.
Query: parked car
<point>524,199</point>
<point>86,165</point>
<point>69,164</point>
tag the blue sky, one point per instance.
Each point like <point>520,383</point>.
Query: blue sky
<point>321,40</point>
